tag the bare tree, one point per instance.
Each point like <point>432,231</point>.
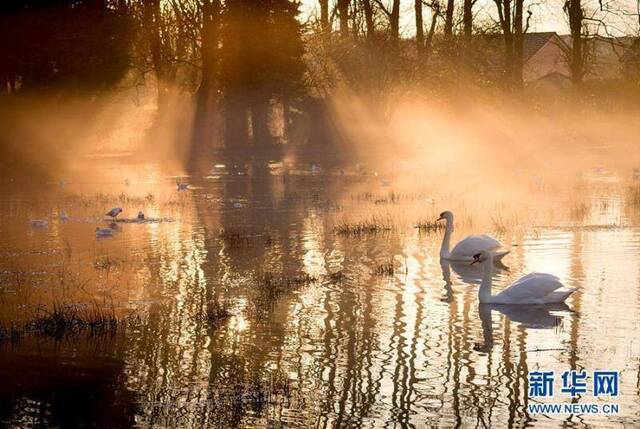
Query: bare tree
<point>368,17</point>
<point>518,44</point>
<point>573,8</point>
<point>419,27</point>
<point>343,14</point>
<point>394,19</point>
<point>436,13</point>
<point>448,20</point>
<point>504,19</point>
<point>324,16</point>
<point>210,40</point>
<point>152,24</point>
<point>467,19</point>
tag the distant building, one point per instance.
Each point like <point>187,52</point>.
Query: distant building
<point>545,60</point>
<point>631,61</point>
<point>603,57</point>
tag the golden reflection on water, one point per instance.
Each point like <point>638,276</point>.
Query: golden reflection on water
<point>351,348</point>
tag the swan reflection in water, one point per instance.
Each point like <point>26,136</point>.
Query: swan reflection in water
<point>469,274</point>
<point>547,316</point>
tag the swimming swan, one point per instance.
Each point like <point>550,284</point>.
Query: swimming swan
<point>471,245</point>
<point>534,288</point>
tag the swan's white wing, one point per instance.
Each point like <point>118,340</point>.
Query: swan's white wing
<point>475,244</point>
<point>531,287</point>
<point>534,275</point>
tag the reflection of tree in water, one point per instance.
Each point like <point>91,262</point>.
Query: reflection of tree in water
<point>175,357</point>
<point>77,391</point>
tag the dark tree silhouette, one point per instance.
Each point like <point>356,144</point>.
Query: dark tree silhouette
<point>75,44</point>
<point>261,62</point>
<point>574,10</point>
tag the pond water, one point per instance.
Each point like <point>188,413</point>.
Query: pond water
<point>326,327</point>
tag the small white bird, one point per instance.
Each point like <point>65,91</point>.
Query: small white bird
<point>114,212</point>
<point>64,216</point>
<point>140,215</point>
<point>238,205</point>
<point>183,186</point>
<point>39,223</point>
<point>104,232</point>
<point>315,169</point>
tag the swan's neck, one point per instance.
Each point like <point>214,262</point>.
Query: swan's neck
<point>444,249</point>
<point>484,293</point>
<point>487,328</point>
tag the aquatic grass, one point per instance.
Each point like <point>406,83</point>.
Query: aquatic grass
<point>276,285</point>
<point>234,237</point>
<point>64,320</point>
<point>579,211</point>
<point>269,288</point>
<point>102,198</point>
<point>498,223</point>
<point>336,277</point>
<point>234,400</point>
<point>633,196</point>
<point>241,237</point>
<point>386,269</point>
<point>427,226</point>
<point>391,197</point>
<point>67,319</point>
<point>12,332</point>
<point>105,263</point>
<point>371,226</point>
<point>216,313</point>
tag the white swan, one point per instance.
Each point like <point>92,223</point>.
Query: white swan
<point>471,245</point>
<point>534,288</point>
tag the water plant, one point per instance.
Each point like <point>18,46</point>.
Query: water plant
<point>427,226</point>
<point>371,226</point>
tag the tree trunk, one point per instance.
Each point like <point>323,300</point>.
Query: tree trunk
<point>504,16</point>
<point>210,36</point>
<point>518,45</point>
<point>152,16</point>
<point>368,18</point>
<point>395,22</point>
<point>286,119</point>
<point>206,102</point>
<point>343,12</point>
<point>324,17</point>
<point>260,120</point>
<point>467,20</point>
<point>419,27</point>
<point>574,9</point>
<point>432,29</point>
<point>448,20</point>
<point>235,117</point>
